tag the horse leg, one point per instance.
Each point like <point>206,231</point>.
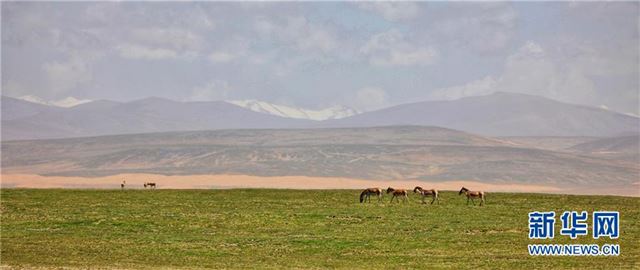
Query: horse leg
<point>434,199</point>
<point>473,201</point>
<point>467,200</point>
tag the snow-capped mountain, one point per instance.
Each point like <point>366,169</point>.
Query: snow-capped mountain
<point>334,112</point>
<point>65,102</point>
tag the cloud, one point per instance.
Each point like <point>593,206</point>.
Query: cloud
<point>173,38</point>
<point>531,70</point>
<point>483,27</point>
<point>299,32</point>
<point>392,11</point>
<point>318,39</point>
<point>484,86</point>
<point>211,91</point>
<point>232,49</point>
<point>67,75</point>
<point>370,98</point>
<point>131,51</point>
<point>221,57</point>
<point>160,44</point>
<point>13,88</point>
<point>280,48</point>
<point>391,48</point>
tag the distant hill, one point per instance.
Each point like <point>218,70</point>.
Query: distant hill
<point>399,152</point>
<point>13,108</point>
<point>626,144</point>
<point>501,114</point>
<point>140,116</point>
<point>557,143</point>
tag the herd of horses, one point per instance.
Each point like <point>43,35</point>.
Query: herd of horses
<point>396,194</point>
<point>403,194</point>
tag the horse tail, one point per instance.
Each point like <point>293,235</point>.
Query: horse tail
<point>362,195</point>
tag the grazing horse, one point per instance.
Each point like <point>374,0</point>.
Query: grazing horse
<point>427,193</point>
<point>472,195</point>
<point>398,193</point>
<point>150,185</point>
<point>123,183</point>
<point>366,194</point>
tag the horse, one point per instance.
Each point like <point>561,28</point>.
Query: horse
<point>122,184</point>
<point>398,193</point>
<point>428,193</point>
<point>150,185</point>
<point>472,195</point>
<point>366,194</point>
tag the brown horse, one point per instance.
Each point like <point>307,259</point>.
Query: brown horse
<point>398,193</point>
<point>427,193</point>
<point>472,195</point>
<point>150,185</point>
<point>366,194</point>
<point>123,183</point>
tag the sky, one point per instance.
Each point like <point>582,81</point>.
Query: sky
<point>366,55</point>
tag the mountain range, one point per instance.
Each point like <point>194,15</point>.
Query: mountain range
<point>502,114</point>
<point>499,114</point>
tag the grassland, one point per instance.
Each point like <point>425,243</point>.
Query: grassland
<point>290,229</point>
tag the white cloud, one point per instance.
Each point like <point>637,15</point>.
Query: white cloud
<point>132,51</point>
<point>318,39</point>
<point>532,48</point>
<point>392,11</point>
<point>13,88</point>
<point>484,86</point>
<point>158,43</point>
<point>392,49</point>
<point>212,90</point>
<point>65,76</point>
<point>530,70</point>
<point>483,27</point>
<point>304,35</point>
<point>173,38</point>
<point>221,57</point>
<point>370,98</point>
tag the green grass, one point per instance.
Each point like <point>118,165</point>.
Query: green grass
<point>290,229</point>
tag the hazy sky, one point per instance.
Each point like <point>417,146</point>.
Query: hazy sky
<point>364,55</point>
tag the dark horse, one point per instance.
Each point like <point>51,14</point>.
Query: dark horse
<point>427,193</point>
<point>472,195</point>
<point>397,193</point>
<point>366,194</point>
<point>150,185</point>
